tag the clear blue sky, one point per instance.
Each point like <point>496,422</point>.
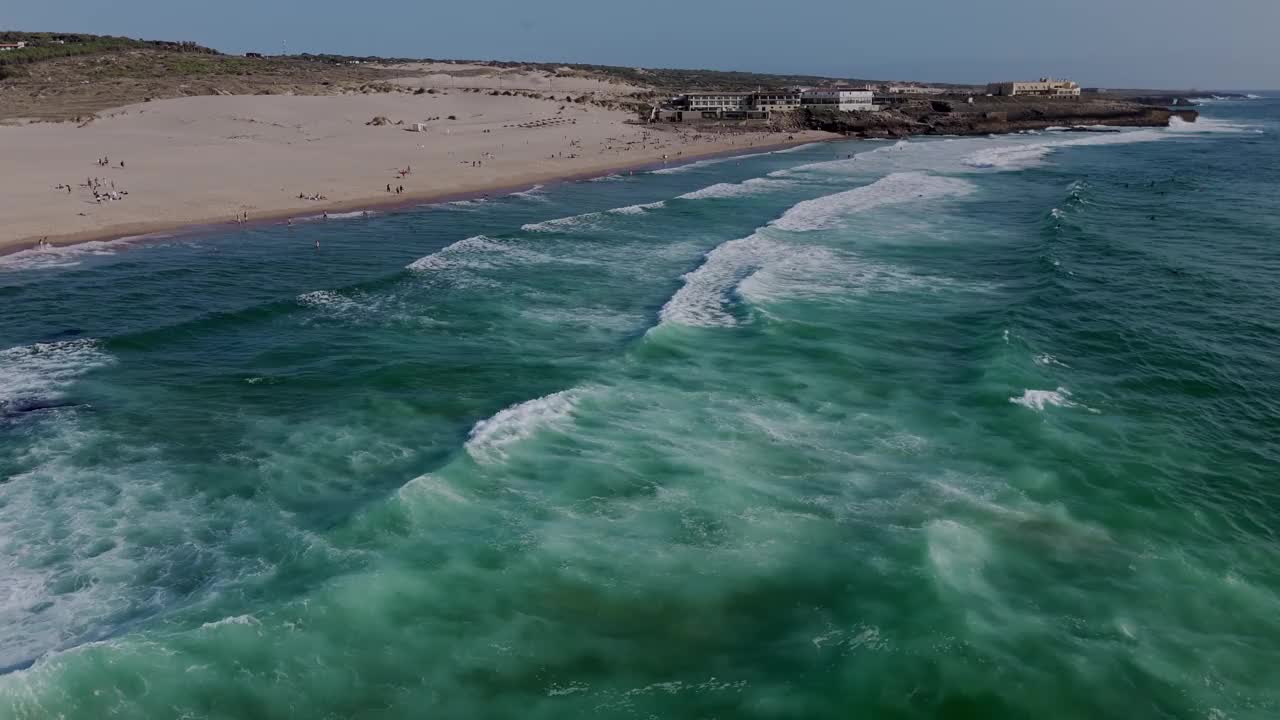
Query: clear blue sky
<point>1220,44</point>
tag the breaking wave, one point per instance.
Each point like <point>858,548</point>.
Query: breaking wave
<point>534,193</point>
<point>1026,155</point>
<point>727,190</point>
<point>1038,400</point>
<point>702,163</point>
<point>43,371</point>
<point>829,210</point>
<point>489,439</point>
<point>58,256</point>
<point>473,252</point>
<point>639,209</point>
<point>703,299</point>
<point>587,219</point>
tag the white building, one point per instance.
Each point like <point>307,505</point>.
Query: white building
<point>1044,87</point>
<point>720,102</point>
<point>845,99</point>
<point>13,45</point>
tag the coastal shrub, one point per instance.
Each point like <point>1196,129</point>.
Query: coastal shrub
<point>41,47</point>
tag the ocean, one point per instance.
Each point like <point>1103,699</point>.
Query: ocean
<point>940,428</point>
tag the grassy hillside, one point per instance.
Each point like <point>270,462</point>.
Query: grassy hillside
<point>44,46</point>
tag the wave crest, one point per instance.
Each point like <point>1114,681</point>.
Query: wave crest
<point>829,210</point>
<point>489,439</point>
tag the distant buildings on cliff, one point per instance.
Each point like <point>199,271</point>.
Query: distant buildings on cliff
<point>1044,87</point>
<point>759,105</point>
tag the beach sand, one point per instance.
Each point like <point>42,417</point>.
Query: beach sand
<point>202,160</point>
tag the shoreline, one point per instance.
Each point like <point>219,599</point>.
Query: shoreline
<point>166,230</point>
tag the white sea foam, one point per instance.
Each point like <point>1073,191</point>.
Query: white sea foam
<point>587,219</point>
<point>474,253</point>
<point>430,485</point>
<point>490,438</point>
<point>45,370</point>
<point>703,299</point>
<point>1013,157</point>
<point>958,555</point>
<point>765,263</point>
<point>326,299</point>
<point>702,163</point>
<point>639,209</point>
<point>533,193</point>
<point>58,256</point>
<point>364,307</point>
<point>754,186</point>
<point>563,223</point>
<point>831,210</point>
<point>1038,400</point>
<point>227,621</point>
<point>890,154</point>
<point>797,148</point>
<point>1210,125</point>
<point>816,273</point>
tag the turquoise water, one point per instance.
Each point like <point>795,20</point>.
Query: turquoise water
<point>961,428</point>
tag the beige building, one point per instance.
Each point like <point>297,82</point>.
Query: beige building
<point>916,90</point>
<point>1044,87</point>
<point>777,101</point>
<point>846,99</point>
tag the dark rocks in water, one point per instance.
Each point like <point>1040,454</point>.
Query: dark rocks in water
<point>988,115</point>
<point>1087,129</point>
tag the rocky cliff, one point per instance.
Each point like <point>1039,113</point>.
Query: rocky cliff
<point>957,116</point>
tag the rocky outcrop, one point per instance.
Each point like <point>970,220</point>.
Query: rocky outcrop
<point>984,116</point>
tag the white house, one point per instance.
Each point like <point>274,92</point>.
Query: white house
<point>13,45</point>
<point>722,101</point>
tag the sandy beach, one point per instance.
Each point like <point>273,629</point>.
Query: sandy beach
<point>211,159</point>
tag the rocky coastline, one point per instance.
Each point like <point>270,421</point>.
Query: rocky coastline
<point>984,116</point>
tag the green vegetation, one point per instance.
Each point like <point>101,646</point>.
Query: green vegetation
<point>49,46</point>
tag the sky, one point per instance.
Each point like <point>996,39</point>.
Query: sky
<point>1204,44</point>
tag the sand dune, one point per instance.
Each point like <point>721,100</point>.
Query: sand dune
<point>207,159</point>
